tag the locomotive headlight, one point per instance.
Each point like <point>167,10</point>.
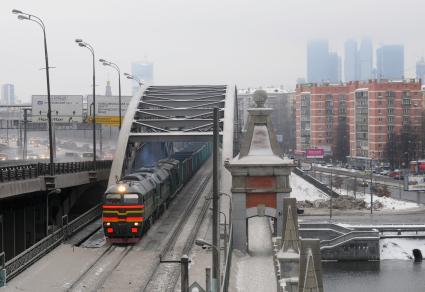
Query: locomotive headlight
<point>108,223</point>
<point>121,188</point>
<point>136,223</point>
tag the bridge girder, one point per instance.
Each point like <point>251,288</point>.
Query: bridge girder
<point>176,114</point>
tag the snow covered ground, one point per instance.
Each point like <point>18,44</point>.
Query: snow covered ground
<point>302,190</point>
<point>388,203</point>
<point>400,248</point>
<point>255,271</point>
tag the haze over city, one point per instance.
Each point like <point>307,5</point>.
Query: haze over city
<point>213,145</point>
<point>249,43</point>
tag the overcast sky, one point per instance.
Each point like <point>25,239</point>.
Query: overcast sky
<point>247,43</point>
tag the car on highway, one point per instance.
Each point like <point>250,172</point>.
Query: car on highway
<point>394,173</point>
<point>384,172</point>
<point>363,184</point>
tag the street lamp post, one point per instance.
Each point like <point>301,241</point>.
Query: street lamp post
<point>26,16</point>
<point>330,202</point>
<point>225,232</point>
<point>90,48</point>
<point>371,185</point>
<point>115,66</point>
<point>129,76</point>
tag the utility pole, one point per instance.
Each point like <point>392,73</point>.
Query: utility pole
<point>355,185</point>
<point>184,270</point>
<point>24,151</point>
<point>371,191</point>
<point>215,282</point>
<point>208,279</point>
<point>330,203</point>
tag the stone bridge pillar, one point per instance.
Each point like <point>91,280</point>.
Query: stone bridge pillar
<point>260,174</point>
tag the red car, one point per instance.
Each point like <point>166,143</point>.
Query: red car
<point>394,173</point>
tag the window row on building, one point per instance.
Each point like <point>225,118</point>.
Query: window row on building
<point>373,111</point>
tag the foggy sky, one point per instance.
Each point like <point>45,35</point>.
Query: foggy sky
<point>242,42</point>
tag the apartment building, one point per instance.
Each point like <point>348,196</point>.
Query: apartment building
<point>374,111</point>
<point>318,111</point>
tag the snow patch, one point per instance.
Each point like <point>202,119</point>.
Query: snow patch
<point>400,248</point>
<point>303,190</point>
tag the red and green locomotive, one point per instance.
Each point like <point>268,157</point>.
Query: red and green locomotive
<point>138,199</point>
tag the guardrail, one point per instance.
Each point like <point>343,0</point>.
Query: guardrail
<point>8,163</point>
<point>34,253</point>
<point>324,188</point>
<point>28,171</point>
<point>331,243</point>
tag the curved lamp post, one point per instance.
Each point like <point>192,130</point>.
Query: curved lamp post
<point>27,16</point>
<point>83,44</point>
<point>115,66</point>
<point>129,76</point>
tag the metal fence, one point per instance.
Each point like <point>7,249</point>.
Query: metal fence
<point>28,171</point>
<point>28,257</point>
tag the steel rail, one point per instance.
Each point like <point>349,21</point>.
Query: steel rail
<point>166,250</point>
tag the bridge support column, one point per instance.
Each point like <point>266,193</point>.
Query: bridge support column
<point>20,230</point>
<point>29,226</point>
<point>9,233</point>
<point>260,175</point>
<point>279,212</point>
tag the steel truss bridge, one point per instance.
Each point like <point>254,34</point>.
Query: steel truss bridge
<point>168,114</point>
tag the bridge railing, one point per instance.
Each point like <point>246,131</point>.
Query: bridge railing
<point>324,188</point>
<point>324,244</point>
<point>34,253</point>
<point>34,170</point>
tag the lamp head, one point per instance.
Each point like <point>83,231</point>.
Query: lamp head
<point>102,60</point>
<point>16,11</point>
<point>201,242</point>
<point>78,41</point>
<point>126,74</point>
<point>129,77</point>
<point>23,17</point>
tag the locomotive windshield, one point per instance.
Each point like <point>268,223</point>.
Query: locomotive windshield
<point>113,198</point>
<point>129,199</point>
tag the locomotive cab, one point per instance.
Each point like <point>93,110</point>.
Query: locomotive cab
<point>123,213</point>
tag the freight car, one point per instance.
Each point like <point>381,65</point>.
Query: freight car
<point>133,204</point>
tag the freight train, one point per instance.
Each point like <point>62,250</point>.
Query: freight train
<point>133,204</point>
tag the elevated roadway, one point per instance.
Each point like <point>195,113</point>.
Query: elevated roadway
<point>29,178</point>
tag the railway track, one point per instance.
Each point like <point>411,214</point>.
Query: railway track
<point>165,275</point>
<point>96,274</point>
<point>182,235</point>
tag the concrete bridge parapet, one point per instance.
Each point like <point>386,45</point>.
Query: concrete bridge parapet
<point>260,175</point>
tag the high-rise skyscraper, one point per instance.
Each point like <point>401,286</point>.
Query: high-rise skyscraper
<point>350,61</point>
<point>8,94</point>
<point>390,62</point>
<point>334,68</point>
<point>142,71</point>
<point>420,70</point>
<point>317,61</point>
<point>365,59</point>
